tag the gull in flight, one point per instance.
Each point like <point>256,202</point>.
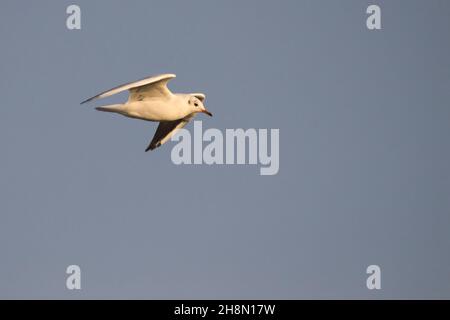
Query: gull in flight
<point>150,99</point>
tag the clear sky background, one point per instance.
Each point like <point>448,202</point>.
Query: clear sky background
<point>364,151</point>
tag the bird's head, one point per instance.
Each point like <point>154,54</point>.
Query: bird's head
<point>196,104</point>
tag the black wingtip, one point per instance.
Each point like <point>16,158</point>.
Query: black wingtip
<point>85,101</point>
<point>153,146</point>
<point>90,99</point>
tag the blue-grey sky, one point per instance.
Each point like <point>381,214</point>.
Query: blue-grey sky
<point>364,151</point>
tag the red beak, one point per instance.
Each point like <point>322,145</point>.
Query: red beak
<point>207,112</point>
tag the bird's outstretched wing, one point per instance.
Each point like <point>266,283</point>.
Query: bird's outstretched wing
<point>155,86</point>
<point>167,129</point>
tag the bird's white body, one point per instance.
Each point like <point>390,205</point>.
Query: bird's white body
<point>151,100</point>
<point>172,108</point>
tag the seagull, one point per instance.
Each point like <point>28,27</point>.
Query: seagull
<point>150,99</point>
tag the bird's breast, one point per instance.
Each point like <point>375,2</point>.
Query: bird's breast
<point>154,110</point>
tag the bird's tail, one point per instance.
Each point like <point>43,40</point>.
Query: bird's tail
<point>117,108</point>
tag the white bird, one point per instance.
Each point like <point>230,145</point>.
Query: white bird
<point>150,99</point>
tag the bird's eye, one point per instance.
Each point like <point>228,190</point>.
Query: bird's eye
<point>196,104</point>
<point>189,101</point>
